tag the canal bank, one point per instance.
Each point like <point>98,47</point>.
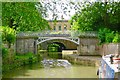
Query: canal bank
<point>36,71</point>
<point>83,60</point>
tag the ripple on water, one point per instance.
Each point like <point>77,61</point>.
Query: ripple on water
<point>35,71</point>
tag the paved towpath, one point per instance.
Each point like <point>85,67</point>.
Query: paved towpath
<point>89,58</point>
<point>86,57</point>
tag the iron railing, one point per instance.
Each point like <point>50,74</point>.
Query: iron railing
<point>68,33</point>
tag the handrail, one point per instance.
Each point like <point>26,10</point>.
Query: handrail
<point>51,33</point>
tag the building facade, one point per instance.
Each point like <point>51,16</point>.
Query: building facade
<point>60,25</point>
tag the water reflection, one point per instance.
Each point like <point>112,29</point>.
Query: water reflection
<point>35,71</point>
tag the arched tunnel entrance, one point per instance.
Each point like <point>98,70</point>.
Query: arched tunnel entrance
<point>61,46</point>
<point>56,47</point>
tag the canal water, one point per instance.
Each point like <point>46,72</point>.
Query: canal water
<point>35,71</point>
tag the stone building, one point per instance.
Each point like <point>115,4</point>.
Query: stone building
<point>60,25</point>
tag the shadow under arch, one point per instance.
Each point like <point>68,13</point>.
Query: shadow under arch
<point>61,46</point>
<point>64,43</point>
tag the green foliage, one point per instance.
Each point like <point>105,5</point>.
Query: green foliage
<point>116,38</point>
<point>23,16</point>
<point>97,15</point>
<point>30,57</point>
<point>104,34</point>
<point>39,57</point>
<point>53,47</point>
<point>53,55</point>
<point>85,20</point>
<point>108,36</point>
<point>53,50</point>
<point>14,61</point>
<point>4,52</point>
<point>101,17</point>
<point>20,0</point>
<point>8,35</point>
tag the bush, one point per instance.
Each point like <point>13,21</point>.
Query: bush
<point>109,37</point>
<point>17,60</point>
<point>8,35</point>
<point>4,52</point>
<point>105,35</point>
<point>116,38</point>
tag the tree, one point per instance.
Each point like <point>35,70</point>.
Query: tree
<point>23,16</point>
<point>97,15</point>
<point>59,9</point>
<point>8,35</point>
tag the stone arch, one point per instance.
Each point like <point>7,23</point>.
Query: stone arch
<point>57,38</point>
<point>69,45</point>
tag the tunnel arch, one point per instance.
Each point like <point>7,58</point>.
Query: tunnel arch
<point>66,44</point>
<point>57,38</point>
<point>62,46</point>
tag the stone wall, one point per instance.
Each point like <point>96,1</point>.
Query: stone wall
<point>25,45</point>
<point>88,46</point>
<point>68,52</point>
<point>83,60</point>
<point>111,48</point>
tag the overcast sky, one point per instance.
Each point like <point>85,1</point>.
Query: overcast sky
<point>61,13</point>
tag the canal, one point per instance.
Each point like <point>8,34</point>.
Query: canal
<point>35,71</point>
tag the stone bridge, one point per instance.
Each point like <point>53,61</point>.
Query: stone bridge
<point>29,41</point>
<point>32,41</point>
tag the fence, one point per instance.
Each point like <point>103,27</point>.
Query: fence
<point>51,33</point>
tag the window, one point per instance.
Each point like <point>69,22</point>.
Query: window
<point>65,27</point>
<point>54,28</point>
<point>59,27</point>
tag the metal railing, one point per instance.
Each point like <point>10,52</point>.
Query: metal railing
<point>45,34</point>
<point>68,33</point>
<point>84,34</point>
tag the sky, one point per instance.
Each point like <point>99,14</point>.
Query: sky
<point>60,12</point>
